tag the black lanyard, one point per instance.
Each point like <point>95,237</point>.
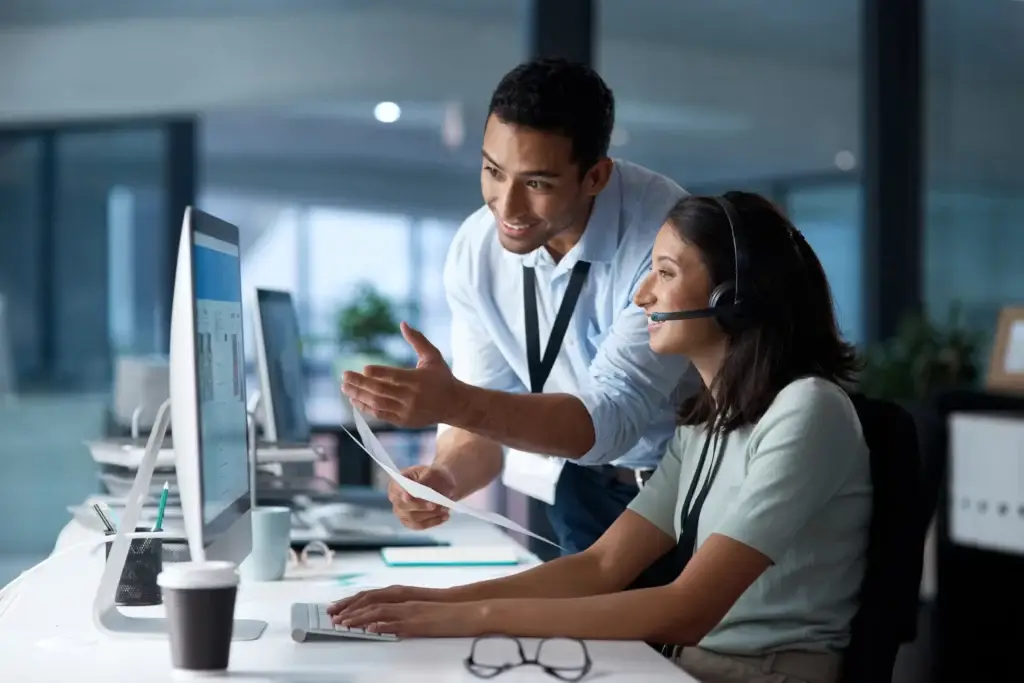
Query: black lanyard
<point>539,367</point>
<point>690,518</point>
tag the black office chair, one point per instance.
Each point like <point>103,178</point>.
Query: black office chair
<point>887,616</point>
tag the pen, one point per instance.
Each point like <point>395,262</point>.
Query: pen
<point>160,510</point>
<point>103,518</point>
<point>110,515</point>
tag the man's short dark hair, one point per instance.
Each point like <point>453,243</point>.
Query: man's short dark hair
<point>563,97</point>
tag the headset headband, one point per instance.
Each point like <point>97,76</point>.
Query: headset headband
<point>741,259</point>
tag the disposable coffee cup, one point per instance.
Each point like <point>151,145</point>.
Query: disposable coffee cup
<point>200,602</point>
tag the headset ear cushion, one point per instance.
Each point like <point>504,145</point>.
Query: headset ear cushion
<point>722,295</point>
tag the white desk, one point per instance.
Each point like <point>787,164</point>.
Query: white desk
<point>47,634</point>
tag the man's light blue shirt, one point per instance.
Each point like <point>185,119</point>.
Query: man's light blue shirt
<point>632,393</point>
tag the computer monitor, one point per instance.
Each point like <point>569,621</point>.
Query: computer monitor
<point>208,403</point>
<point>207,409</point>
<point>279,364</point>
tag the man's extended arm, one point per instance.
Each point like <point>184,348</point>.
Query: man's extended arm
<point>549,424</point>
<point>631,391</point>
<point>630,395</point>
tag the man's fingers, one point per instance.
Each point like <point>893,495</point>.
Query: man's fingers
<point>414,504</point>
<point>427,515</point>
<point>396,377</point>
<point>375,392</point>
<point>400,498</point>
<point>422,521</point>
<point>422,476</point>
<point>420,344</point>
<point>392,416</point>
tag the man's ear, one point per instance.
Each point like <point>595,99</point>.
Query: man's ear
<point>598,176</point>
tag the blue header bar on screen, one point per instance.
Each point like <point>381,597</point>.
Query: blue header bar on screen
<point>216,274</point>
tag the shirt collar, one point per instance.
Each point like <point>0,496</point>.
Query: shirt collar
<point>600,239</point>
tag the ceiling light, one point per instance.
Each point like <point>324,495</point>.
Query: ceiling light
<point>619,137</point>
<point>453,127</point>
<point>387,112</point>
<point>845,161</point>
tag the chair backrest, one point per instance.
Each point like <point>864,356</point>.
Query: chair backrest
<point>888,612</point>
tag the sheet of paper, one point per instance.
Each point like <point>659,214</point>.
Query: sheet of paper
<point>375,450</point>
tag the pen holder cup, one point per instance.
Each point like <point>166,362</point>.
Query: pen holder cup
<point>138,586</point>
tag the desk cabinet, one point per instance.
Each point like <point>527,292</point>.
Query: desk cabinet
<point>978,619</point>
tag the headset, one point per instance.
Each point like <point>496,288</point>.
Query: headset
<point>729,301</point>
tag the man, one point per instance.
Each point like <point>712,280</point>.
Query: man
<point>565,231</point>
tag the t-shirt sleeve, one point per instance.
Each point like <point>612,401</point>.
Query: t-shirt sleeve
<point>656,501</point>
<point>804,450</point>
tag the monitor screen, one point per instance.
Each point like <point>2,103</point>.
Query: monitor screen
<point>282,345</point>
<point>220,375</point>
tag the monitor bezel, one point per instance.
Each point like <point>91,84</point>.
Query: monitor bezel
<point>219,229</point>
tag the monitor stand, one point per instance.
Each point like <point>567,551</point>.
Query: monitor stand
<point>107,616</point>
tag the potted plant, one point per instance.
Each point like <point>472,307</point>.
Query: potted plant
<point>364,325</point>
<point>922,359</point>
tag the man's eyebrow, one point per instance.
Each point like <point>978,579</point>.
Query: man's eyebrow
<point>529,174</point>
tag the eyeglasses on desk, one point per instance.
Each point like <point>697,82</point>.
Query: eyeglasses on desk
<point>566,659</point>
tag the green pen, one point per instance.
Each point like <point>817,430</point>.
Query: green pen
<point>160,510</point>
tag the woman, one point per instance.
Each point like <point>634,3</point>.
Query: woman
<point>771,572</point>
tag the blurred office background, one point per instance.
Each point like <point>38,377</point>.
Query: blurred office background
<point>342,137</point>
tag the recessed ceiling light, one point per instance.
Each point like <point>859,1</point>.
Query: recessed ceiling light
<point>453,127</point>
<point>387,112</point>
<point>845,161</point>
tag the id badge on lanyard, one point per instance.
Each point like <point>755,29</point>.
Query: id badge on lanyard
<point>528,473</point>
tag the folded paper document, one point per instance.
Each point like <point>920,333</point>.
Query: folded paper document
<point>375,450</point>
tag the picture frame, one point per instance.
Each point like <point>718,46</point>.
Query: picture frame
<point>1006,362</point>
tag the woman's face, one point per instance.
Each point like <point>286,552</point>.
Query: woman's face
<point>678,281</point>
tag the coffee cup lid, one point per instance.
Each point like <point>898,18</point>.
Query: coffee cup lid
<point>193,575</point>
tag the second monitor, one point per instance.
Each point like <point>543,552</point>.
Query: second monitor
<point>279,362</point>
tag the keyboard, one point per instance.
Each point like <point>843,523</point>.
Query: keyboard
<point>310,621</point>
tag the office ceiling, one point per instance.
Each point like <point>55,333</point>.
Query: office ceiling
<point>708,90</point>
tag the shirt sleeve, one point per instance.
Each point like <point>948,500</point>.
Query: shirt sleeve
<point>632,390</point>
<point>475,358</point>
<point>804,451</point>
<point>658,498</point>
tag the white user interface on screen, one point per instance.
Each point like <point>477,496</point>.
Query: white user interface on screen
<point>221,375</point>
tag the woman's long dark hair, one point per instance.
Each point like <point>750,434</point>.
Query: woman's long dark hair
<point>792,330</point>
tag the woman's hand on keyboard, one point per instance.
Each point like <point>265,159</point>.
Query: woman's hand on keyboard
<point>380,596</point>
<point>418,619</point>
